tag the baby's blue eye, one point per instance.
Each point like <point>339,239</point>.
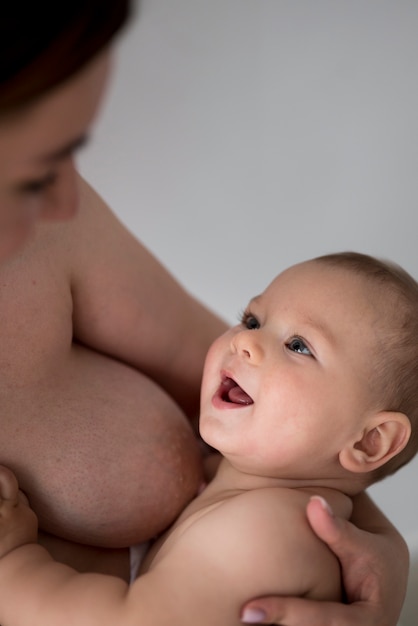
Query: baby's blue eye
<point>298,345</point>
<point>250,321</point>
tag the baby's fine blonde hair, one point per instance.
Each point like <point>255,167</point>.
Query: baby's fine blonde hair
<point>394,365</point>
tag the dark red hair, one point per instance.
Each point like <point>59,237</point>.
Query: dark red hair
<point>44,42</point>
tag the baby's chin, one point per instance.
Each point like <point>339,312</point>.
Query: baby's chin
<point>209,434</point>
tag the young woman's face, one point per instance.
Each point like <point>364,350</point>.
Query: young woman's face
<point>37,146</point>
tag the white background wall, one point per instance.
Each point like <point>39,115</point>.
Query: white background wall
<point>242,136</point>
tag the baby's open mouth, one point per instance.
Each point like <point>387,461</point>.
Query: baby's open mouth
<point>231,392</point>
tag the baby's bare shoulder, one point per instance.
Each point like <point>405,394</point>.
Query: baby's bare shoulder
<point>262,538</point>
<point>278,512</point>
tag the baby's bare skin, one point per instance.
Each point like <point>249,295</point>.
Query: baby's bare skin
<point>88,320</point>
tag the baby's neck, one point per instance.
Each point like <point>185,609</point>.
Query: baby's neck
<point>229,481</point>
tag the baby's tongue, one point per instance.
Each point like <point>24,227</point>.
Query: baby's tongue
<point>238,396</point>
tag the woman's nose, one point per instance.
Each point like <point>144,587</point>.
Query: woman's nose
<point>63,199</point>
<point>248,344</point>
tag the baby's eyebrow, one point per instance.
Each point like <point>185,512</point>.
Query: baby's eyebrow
<point>254,300</point>
<point>320,327</point>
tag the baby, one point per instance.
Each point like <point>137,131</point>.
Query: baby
<point>313,394</point>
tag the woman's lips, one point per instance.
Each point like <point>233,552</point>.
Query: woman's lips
<point>229,392</point>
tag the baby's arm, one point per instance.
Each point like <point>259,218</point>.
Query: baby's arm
<point>202,575</point>
<point>18,523</point>
<point>30,579</point>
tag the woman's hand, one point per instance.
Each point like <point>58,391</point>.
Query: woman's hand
<point>374,564</point>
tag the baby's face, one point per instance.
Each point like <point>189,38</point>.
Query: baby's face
<point>287,388</point>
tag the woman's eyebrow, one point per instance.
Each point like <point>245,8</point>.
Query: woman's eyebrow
<point>64,151</point>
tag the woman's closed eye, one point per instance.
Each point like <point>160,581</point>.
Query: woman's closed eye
<point>297,344</point>
<point>38,185</point>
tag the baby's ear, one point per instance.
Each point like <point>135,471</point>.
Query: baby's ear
<point>385,435</point>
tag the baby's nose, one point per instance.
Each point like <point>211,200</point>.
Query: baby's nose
<point>248,344</point>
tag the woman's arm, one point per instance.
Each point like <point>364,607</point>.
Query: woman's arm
<point>374,560</point>
<point>128,305</point>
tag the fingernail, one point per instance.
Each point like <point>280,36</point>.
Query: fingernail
<point>253,616</point>
<point>324,504</point>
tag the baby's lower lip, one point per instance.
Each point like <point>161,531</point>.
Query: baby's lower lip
<point>219,403</point>
<point>230,395</point>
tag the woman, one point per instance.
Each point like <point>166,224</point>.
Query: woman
<point>102,350</point>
